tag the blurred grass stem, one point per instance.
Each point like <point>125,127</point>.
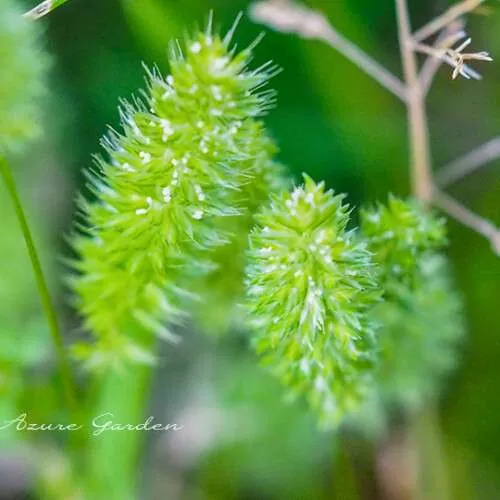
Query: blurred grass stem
<point>66,377</point>
<point>44,8</point>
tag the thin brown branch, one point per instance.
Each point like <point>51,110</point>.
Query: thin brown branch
<point>289,17</point>
<point>417,117</point>
<point>469,163</point>
<point>468,218</point>
<point>453,13</point>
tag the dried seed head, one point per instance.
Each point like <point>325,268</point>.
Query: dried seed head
<point>458,58</point>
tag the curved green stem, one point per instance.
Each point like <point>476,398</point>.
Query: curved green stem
<point>66,376</point>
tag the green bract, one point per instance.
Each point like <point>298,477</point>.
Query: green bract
<point>311,283</point>
<point>420,317</point>
<point>21,85</point>
<point>191,163</point>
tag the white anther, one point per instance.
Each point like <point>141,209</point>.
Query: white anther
<point>195,47</point>
<point>167,194</point>
<point>146,157</point>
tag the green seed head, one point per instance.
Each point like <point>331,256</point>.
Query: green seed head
<point>310,284</point>
<point>175,187</point>
<point>420,317</point>
<point>399,233</point>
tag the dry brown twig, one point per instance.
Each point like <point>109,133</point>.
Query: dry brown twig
<point>454,12</point>
<point>468,218</point>
<point>469,163</point>
<point>290,17</point>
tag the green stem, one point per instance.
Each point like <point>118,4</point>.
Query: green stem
<point>44,8</point>
<point>66,377</point>
<point>435,482</point>
<point>346,483</point>
<point>121,399</point>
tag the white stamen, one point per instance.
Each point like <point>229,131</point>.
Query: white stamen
<point>167,194</point>
<point>146,157</point>
<point>319,383</point>
<point>195,47</point>
<point>127,167</point>
<point>143,211</point>
<point>220,63</point>
<point>304,366</point>
<point>216,93</point>
<point>199,192</point>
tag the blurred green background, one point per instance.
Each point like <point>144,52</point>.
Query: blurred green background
<point>332,122</point>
